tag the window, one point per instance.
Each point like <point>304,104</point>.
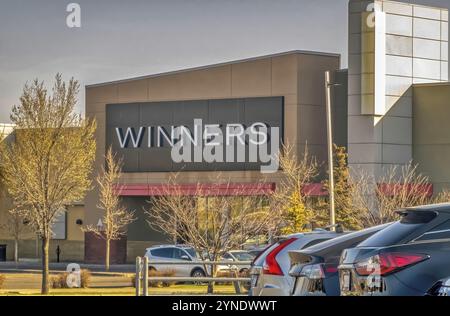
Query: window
<point>314,242</point>
<point>163,253</point>
<point>192,252</point>
<point>398,231</point>
<point>227,256</point>
<point>441,231</point>
<point>59,227</point>
<point>179,253</point>
<point>243,256</point>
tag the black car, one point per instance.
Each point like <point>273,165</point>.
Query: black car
<point>315,269</point>
<point>405,259</point>
<point>441,288</point>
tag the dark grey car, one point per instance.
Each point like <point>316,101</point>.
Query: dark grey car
<point>315,268</point>
<point>405,259</point>
<point>441,288</point>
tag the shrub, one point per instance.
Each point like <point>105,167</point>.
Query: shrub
<point>59,281</point>
<point>154,273</point>
<point>2,280</point>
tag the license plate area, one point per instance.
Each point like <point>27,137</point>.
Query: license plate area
<point>346,281</point>
<point>254,280</point>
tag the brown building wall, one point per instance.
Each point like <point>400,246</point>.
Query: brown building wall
<point>71,251</point>
<point>297,76</point>
<point>72,248</point>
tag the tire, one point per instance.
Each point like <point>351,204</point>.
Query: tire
<point>198,273</point>
<point>245,273</point>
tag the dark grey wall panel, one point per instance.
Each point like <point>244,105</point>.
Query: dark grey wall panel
<point>145,158</point>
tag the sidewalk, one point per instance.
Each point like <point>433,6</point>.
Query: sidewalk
<point>35,267</point>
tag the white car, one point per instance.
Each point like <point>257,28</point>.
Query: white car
<point>235,256</point>
<point>179,255</point>
<point>269,271</point>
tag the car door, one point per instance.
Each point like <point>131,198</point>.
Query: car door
<point>161,255</point>
<point>182,268</point>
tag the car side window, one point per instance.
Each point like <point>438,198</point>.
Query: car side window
<point>442,231</point>
<point>314,242</point>
<point>179,253</point>
<point>227,256</point>
<point>163,253</point>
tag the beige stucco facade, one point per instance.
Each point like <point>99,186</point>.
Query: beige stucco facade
<point>431,132</point>
<point>72,247</point>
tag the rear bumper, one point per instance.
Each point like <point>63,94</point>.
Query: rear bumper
<point>269,285</point>
<point>328,286</point>
<point>376,286</point>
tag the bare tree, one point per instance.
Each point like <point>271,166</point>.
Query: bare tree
<point>116,217</point>
<point>15,226</point>
<point>209,220</point>
<point>289,198</point>
<point>48,163</point>
<point>378,199</point>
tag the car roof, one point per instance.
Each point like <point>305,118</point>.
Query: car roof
<point>342,238</point>
<point>170,245</point>
<point>314,233</point>
<point>302,240</point>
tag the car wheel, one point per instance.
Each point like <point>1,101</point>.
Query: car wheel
<point>244,273</point>
<point>198,273</point>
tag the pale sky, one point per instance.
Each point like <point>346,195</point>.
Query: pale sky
<point>121,39</point>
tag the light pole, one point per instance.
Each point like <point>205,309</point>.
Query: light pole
<point>328,86</point>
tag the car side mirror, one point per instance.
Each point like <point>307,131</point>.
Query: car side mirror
<point>186,258</point>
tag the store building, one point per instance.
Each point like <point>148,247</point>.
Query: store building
<point>284,90</point>
<point>390,107</point>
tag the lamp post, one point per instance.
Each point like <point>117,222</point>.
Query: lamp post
<point>328,85</point>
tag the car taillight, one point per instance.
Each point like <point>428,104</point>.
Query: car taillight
<point>313,271</point>
<point>317,271</point>
<point>386,263</point>
<point>260,254</point>
<point>271,265</point>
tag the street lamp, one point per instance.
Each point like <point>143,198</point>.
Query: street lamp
<point>328,85</point>
<point>100,225</point>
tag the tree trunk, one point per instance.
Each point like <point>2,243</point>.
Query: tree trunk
<point>107,254</point>
<point>211,284</point>
<point>45,270</point>
<point>16,250</point>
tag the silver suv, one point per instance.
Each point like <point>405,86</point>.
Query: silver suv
<point>269,271</point>
<point>179,254</point>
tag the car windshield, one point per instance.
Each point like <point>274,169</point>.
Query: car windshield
<point>346,237</point>
<point>399,230</point>
<point>192,252</point>
<point>242,256</point>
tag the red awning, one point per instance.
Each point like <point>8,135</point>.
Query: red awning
<point>211,189</point>
<point>313,189</point>
<point>393,189</point>
<point>194,189</point>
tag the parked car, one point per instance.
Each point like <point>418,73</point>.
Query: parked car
<point>269,271</point>
<point>315,268</point>
<point>234,256</point>
<point>406,258</point>
<point>441,288</point>
<point>257,251</point>
<point>178,254</point>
